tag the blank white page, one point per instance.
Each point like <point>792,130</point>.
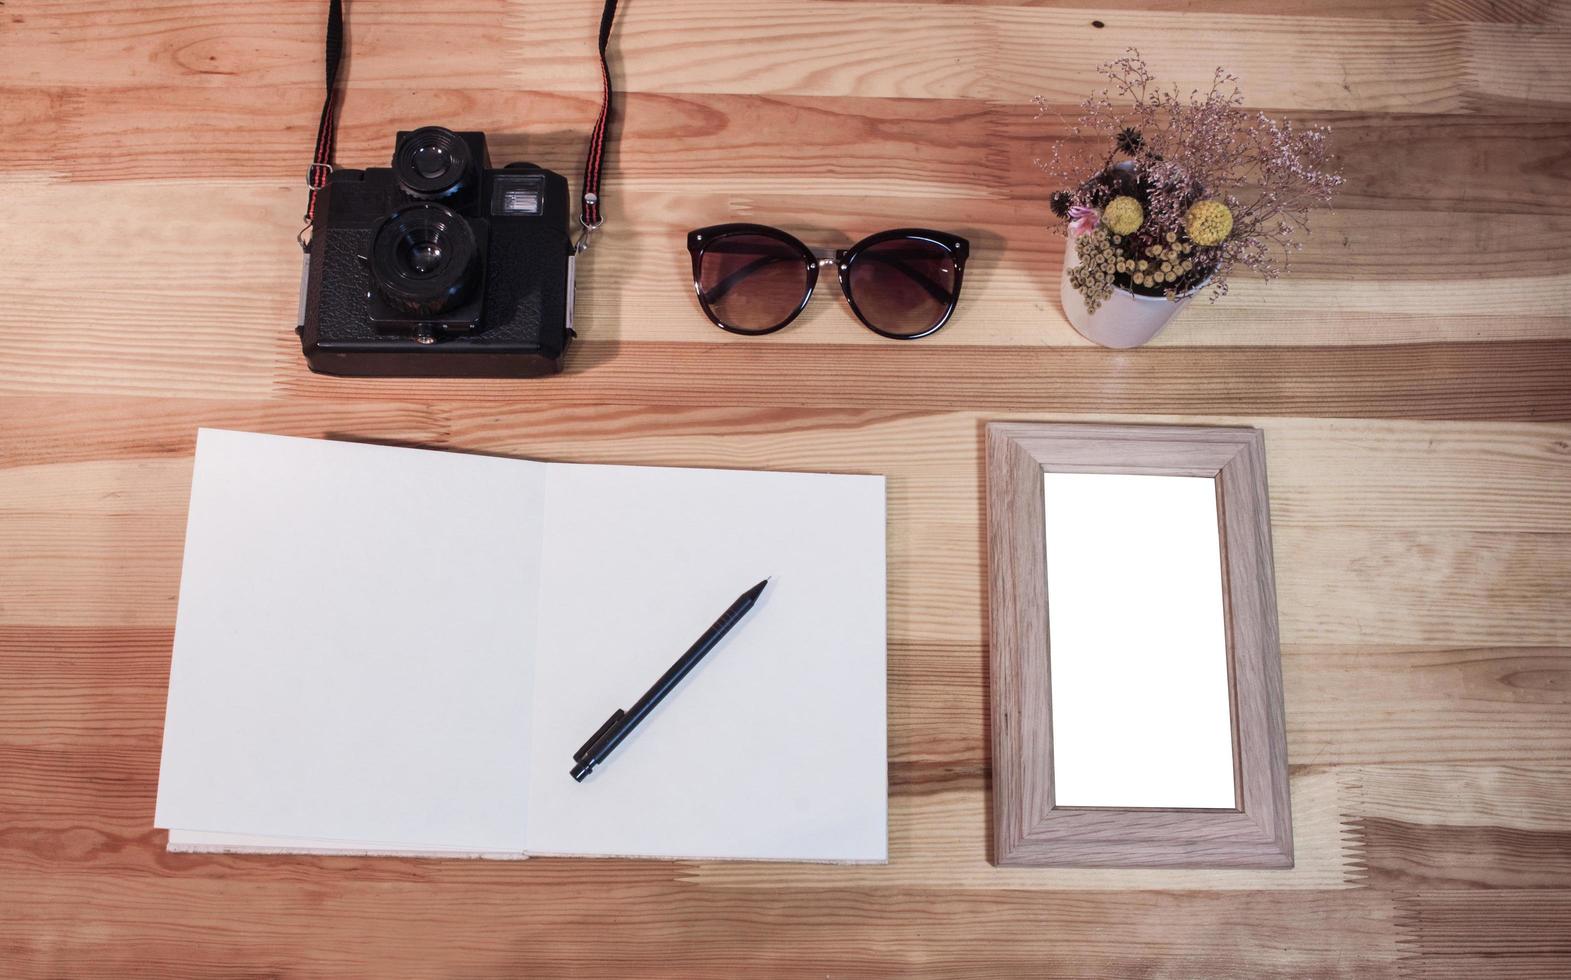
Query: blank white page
<point>1137,642</point>
<point>774,746</point>
<point>353,649</point>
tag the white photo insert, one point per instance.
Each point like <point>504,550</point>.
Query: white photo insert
<point>1137,637</point>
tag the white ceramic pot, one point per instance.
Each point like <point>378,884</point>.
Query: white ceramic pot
<point>1124,319</point>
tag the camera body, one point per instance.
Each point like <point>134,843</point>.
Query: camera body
<point>439,266</point>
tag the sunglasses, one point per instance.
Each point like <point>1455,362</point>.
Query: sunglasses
<point>753,279</point>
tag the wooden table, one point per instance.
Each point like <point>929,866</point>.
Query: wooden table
<point>1413,377</point>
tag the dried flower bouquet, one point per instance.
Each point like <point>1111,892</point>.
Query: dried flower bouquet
<point>1190,188</point>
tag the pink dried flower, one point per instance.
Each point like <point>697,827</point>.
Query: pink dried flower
<point>1083,219</point>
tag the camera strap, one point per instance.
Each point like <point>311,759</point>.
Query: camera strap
<point>326,127</point>
<point>589,216</point>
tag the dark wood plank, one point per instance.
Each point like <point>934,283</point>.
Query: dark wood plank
<point>524,923</point>
<point>1518,380</point>
<point>1504,935</point>
<point>1401,855</point>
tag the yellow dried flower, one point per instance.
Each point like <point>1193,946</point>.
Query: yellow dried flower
<point>1208,222</point>
<point>1123,215</point>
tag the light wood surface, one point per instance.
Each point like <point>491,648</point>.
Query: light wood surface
<point>1030,827</point>
<point>1412,377</point>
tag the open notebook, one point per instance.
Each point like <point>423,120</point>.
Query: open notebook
<point>387,650</point>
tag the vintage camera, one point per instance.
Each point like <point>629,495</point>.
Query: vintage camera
<point>439,266</point>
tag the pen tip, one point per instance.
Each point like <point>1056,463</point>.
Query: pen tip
<point>757,590</point>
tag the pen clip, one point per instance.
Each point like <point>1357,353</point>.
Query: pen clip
<point>600,732</point>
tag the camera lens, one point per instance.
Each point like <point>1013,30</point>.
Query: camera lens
<point>432,162</point>
<point>424,259</point>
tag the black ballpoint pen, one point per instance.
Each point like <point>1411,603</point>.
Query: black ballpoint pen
<point>622,722</point>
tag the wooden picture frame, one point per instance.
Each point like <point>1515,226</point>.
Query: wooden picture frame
<point>1029,829</point>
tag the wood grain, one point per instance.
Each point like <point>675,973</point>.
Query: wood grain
<point>1412,375</point>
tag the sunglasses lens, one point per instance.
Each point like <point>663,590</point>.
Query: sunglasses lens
<point>752,283</point>
<point>904,286</point>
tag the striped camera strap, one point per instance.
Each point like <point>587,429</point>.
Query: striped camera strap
<point>589,216</point>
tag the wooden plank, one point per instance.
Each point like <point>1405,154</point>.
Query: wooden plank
<point>1375,587</point>
<point>902,148</point>
<point>995,52</point>
<point>1462,826</point>
<point>1325,473</point>
<point>522,923</point>
<point>1511,935</point>
<point>233,239</point>
<point>227,330</point>
<point>1388,596</point>
<point>1534,797</point>
<point>954,51</point>
<point>1401,855</point>
<point>154,157</point>
<point>1466,11</point>
<point>784,47</point>
<point>1500,381</point>
<point>1369,704</point>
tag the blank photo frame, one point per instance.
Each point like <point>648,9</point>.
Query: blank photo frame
<point>1136,675</point>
